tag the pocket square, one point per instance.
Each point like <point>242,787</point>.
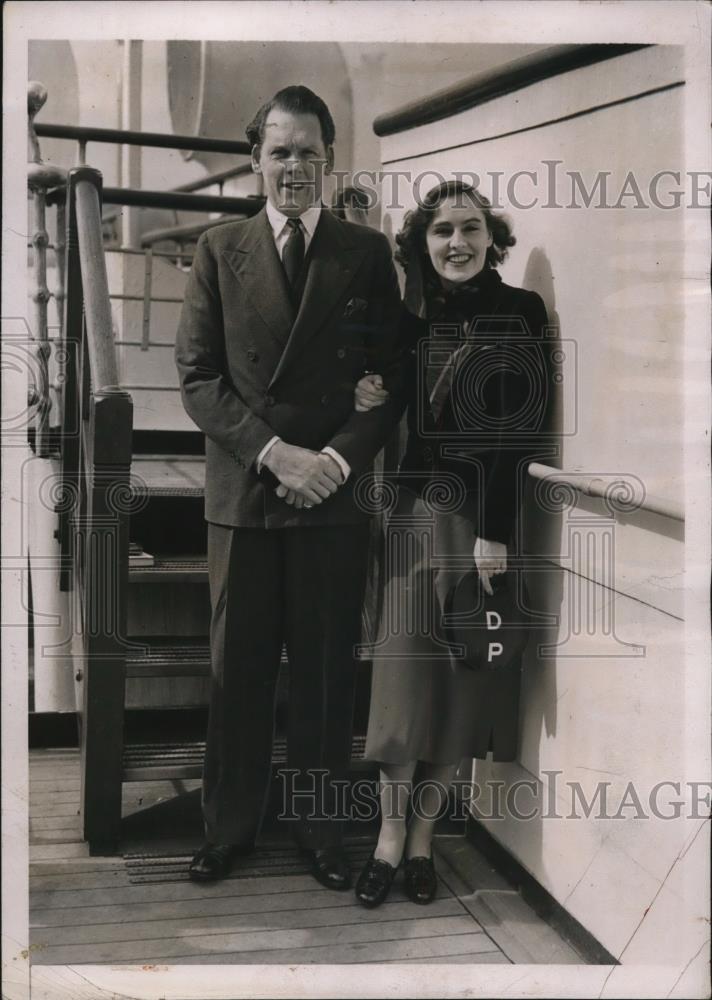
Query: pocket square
<point>354,306</point>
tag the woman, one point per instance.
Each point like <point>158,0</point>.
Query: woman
<point>470,347</point>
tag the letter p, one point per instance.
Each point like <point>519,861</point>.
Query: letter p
<point>494,649</point>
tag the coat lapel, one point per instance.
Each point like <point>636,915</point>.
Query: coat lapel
<point>256,265</point>
<point>334,260</point>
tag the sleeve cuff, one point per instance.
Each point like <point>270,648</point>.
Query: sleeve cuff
<point>263,454</point>
<point>340,461</point>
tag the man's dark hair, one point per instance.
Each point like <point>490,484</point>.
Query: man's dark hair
<point>296,100</point>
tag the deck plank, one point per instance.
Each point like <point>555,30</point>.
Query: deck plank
<point>517,930</point>
<point>66,851</point>
<point>46,823</point>
<point>468,958</point>
<point>57,834</point>
<point>210,923</point>
<point>347,954</point>
<point>399,938</point>
<point>114,888</point>
<point>72,866</point>
<point>61,811</point>
<point>201,906</point>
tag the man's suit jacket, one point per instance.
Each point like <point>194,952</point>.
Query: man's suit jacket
<point>249,368</point>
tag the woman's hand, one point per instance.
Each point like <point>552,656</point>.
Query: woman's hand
<point>370,393</point>
<point>490,559</point>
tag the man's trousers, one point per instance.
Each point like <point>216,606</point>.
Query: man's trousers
<point>302,587</point>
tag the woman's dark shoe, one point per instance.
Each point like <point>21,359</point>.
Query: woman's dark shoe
<point>214,861</point>
<point>420,881</point>
<point>374,882</point>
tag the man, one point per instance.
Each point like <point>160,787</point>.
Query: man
<point>282,315</point>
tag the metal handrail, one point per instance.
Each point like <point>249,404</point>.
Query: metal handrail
<point>487,86</point>
<point>180,201</point>
<point>130,137</point>
<point>219,178</point>
<point>100,338</point>
<point>182,234</point>
<point>634,495</point>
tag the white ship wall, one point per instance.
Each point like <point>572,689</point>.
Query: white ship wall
<point>612,699</point>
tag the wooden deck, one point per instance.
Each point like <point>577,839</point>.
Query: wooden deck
<point>141,908</point>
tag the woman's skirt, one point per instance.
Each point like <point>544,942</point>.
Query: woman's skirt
<point>424,704</point>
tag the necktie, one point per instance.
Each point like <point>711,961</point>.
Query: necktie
<point>293,253</point>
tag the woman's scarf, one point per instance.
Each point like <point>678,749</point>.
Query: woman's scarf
<point>457,307</point>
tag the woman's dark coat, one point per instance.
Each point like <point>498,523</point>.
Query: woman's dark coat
<point>489,423</point>
<point>473,376</point>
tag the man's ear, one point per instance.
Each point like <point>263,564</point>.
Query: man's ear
<point>329,160</point>
<point>255,156</point>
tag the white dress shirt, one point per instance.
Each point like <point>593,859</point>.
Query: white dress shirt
<point>281,231</point>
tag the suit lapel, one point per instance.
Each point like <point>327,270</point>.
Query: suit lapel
<point>333,262</point>
<point>256,265</point>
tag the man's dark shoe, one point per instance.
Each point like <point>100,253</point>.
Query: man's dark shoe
<point>214,861</point>
<point>374,882</point>
<point>420,881</point>
<point>329,866</point>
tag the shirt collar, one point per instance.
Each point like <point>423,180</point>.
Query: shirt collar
<point>278,220</point>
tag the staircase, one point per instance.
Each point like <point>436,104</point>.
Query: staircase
<point>129,493</point>
<point>168,615</point>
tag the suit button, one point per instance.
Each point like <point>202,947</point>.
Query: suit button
<point>252,356</point>
<point>428,455</point>
<point>341,353</point>
<point>270,400</point>
<point>324,400</point>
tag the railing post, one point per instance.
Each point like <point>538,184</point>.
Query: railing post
<point>132,72</point>
<point>97,464</point>
<point>60,247</point>
<point>40,178</point>
<point>36,97</point>
<point>105,539</point>
<point>70,439</point>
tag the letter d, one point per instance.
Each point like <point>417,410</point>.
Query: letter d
<point>491,615</point>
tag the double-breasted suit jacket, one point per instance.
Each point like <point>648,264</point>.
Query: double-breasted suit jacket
<point>256,361</point>
<point>250,369</point>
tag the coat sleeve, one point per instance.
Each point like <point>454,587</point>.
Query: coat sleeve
<point>503,481</point>
<point>209,397</point>
<point>364,434</point>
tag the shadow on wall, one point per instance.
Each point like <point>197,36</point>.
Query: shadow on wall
<point>540,539</point>
<point>542,530</point>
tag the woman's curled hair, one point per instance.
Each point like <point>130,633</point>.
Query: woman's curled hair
<point>410,240</point>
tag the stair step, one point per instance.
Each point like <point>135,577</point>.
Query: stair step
<point>168,475</point>
<point>157,659</point>
<point>190,660</point>
<point>174,569</point>
<point>164,761</point>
